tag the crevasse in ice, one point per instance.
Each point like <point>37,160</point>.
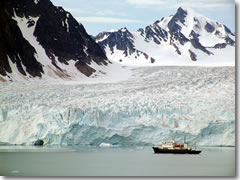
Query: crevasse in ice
<point>154,105</point>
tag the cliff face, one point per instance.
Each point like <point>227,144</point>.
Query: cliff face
<point>55,30</point>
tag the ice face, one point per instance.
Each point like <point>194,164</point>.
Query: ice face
<point>154,105</point>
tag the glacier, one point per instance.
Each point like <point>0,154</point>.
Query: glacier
<point>152,105</point>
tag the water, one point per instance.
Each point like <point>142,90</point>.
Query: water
<point>102,161</point>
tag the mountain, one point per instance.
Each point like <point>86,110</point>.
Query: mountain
<point>185,38</point>
<point>40,40</point>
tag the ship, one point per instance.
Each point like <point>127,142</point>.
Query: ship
<point>173,148</point>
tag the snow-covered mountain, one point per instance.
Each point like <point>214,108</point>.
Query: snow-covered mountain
<point>185,38</point>
<point>41,40</point>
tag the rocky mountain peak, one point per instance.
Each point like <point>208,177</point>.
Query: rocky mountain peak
<point>186,33</point>
<point>124,29</point>
<point>121,39</point>
<point>175,27</point>
<point>125,32</point>
<point>181,13</point>
<point>178,17</point>
<point>38,24</point>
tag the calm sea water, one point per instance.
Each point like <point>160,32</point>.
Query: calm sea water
<point>96,161</point>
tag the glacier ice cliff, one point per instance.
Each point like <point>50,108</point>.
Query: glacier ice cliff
<point>154,105</point>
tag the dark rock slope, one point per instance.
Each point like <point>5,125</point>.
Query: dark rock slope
<point>56,31</point>
<point>122,39</point>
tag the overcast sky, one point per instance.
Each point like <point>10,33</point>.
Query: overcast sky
<point>104,15</point>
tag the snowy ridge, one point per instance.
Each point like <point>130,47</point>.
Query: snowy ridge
<point>155,105</point>
<point>186,38</point>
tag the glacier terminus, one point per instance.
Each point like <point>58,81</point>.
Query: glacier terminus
<point>150,106</point>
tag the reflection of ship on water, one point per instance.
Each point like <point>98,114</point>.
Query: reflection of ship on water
<point>174,148</point>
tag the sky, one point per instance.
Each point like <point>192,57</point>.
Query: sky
<point>105,15</point>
